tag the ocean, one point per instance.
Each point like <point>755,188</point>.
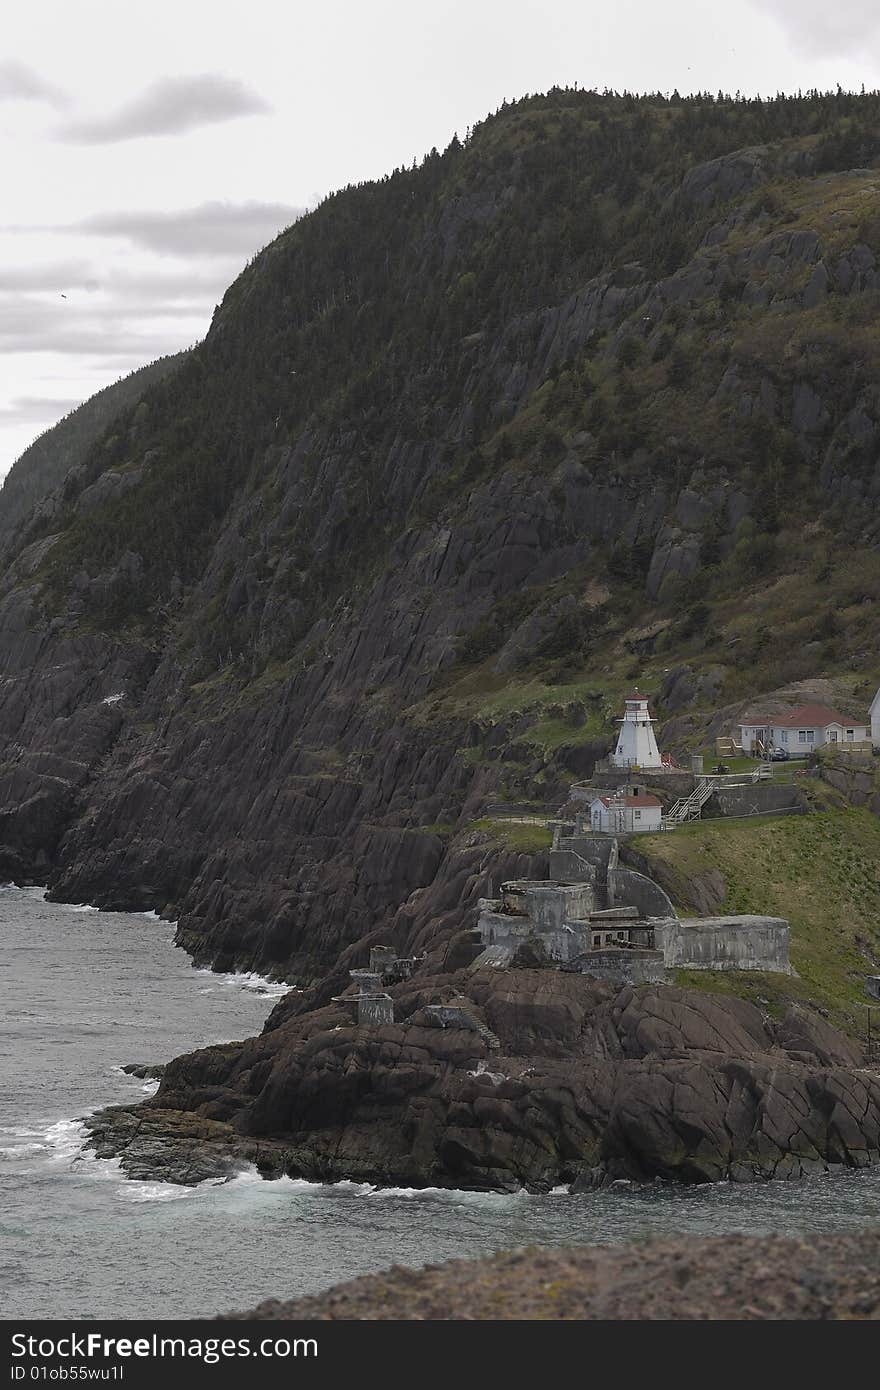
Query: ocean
<point>85,992</point>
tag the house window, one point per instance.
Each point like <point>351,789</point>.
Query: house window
<point>783,735</point>
<point>850,733</point>
<point>637,815</point>
<point>597,941</point>
<point>806,735</point>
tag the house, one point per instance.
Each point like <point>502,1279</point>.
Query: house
<point>636,744</point>
<point>629,810</point>
<point>801,730</point>
<point>874,716</point>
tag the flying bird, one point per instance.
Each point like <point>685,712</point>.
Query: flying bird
<point>63,296</point>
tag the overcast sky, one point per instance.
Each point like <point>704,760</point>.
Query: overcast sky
<point>148,151</point>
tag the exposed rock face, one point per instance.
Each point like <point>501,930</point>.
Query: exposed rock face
<point>422,457</point>
<point>582,1083</point>
<point>729,1278</point>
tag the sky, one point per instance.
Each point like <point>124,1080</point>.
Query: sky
<point>148,152</point>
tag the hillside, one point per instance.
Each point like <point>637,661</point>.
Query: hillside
<point>820,871</point>
<point>587,398</point>
<point>45,464</point>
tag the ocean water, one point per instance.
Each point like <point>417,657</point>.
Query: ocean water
<point>84,992</point>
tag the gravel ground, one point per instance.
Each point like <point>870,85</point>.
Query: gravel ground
<point>731,1277</point>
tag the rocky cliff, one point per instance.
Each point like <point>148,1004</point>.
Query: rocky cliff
<point>588,397</point>
<point>544,1078</point>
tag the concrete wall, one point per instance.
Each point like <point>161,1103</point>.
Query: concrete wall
<point>568,864</point>
<point>754,799</point>
<point>375,1008</point>
<point>453,1016</point>
<point>552,904</point>
<point>622,966</point>
<point>629,888</point>
<point>673,782</point>
<point>591,849</point>
<point>725,943</point>
<point>503,929</point>
<point>382,959</point>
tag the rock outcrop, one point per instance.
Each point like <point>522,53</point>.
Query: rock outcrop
<point>728,1278</point>
<point>553,1079</point>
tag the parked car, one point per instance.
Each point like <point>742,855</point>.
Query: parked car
<point>778,755</point>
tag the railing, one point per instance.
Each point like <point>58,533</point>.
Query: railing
<point>689,807</point>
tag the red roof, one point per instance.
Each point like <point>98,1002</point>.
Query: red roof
<point>818,715</point>
<point>636,695</point>
<point>643,799</point>
<point>805,716</point>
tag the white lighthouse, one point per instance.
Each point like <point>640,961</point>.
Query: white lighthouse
<point>636,744</point>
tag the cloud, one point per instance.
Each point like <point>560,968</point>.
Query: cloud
<point>169,107</point>
<point>20,83</point>
<point>31,324</point>
<point>211,229</point>
<point>822,30</point>
<point>35,410</point>
<point>56,276</point>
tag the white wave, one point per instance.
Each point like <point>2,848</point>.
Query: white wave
<point>247,979</point>
<point>65,1139</point>
<point>134,1191</point>
<point>150,1087</point>
<point>16,1151</point>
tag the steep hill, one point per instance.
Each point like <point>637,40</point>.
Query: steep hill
<point>44,464</point>
<point>591,397</point>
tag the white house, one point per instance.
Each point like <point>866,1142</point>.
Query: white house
<point>629,809</point>
<point>802,730</point>
<point>636,744</point>
<point>875,720</point>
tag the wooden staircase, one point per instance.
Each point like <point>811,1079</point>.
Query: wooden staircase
<point>690,807</point>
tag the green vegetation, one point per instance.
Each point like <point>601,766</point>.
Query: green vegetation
<point>44,464</point>
<point>526,836</point>
<point>425,355</point>
<point>821,871</point>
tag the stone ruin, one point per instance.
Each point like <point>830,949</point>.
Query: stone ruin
<point>600,918</point>
<point>371,1003</point>
<point>613,922</point>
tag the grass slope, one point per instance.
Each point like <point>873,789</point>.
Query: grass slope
<point>821,871</point>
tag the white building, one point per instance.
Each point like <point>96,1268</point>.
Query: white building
<point>874,716</point>
<point>636,744</point>
<point>802,730</point>
<point>628,810</point>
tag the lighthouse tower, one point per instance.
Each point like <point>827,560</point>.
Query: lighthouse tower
<point>636,744</point>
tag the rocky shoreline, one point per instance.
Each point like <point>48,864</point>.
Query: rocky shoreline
<point>721,1279</point>
<point>545,1079</point>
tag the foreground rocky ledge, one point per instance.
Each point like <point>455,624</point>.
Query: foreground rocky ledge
<point>539,1078</point>
<point>726,1278</point>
